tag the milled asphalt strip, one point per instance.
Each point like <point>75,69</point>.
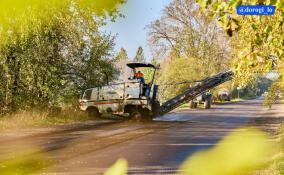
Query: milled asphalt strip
<point>69,147</point>
<point>116,136</point>
<point>78,149</point>
<point>55,129</point>
<point>76,128</point>
<point>114,141</point>
<point>205,129</point>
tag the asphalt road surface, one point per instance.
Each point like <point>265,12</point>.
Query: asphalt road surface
<point>157,147</point>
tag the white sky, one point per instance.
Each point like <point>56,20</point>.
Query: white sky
<point>131,29</point>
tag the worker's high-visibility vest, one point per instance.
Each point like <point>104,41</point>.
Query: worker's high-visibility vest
<point>139,75</point>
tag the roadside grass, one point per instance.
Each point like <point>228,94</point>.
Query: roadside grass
<point>232,101</point>
<point>186,105</point>
<point>40,118</point>
<point>276,166</point>
<point>236,100</point>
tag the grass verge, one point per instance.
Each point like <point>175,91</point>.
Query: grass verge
<point>236,100</point>
<point>276,166</point>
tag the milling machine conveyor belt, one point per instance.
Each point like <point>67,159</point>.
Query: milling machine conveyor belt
<point>195,91</point>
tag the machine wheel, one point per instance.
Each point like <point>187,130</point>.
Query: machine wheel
<point>141,114</point>
<point>136,115</point>
<point>192,105</point>
<point>156,108</point>
<point>207,103</point>
<point>93,112</point>
<point>146,116</point>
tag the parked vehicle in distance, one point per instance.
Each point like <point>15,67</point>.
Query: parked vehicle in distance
<point>224,96</point>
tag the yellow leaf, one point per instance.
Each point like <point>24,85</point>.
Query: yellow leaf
<point>119,168</point>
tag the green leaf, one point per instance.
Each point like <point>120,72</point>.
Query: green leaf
<point>258,40</point>
<point>202,3</point>
<point>250,63</point>
<point>254,2</point>
<point>275,42</point>
<point>243,53</point>
<point>272,2</point>
<point>208,2</point>
<point>280,52</point>
<point>268,29</point>
<point>226,7</point>
<point>269,64</point>
<point>215,5</point>
<point>254,26</point>
<point>280,4</point>
<point>212,16</point>
<point>236,3</point>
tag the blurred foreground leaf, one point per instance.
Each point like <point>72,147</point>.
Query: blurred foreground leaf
<point>239,153</point>
<point>24,165</point>
<point>119,168</point>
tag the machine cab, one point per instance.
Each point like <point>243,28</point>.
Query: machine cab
<point>148,87</point>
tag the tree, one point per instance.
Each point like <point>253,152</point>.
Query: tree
<point>178,70</point>
<point>122,55</point>
<point>52,49</point>
<point>148,72</point>
<point>139,55</point>
<point>258,39</point>
<point>189,43</point>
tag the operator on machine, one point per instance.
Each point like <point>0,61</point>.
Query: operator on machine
<point>139,75</point>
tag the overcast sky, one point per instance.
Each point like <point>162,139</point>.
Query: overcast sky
<point>131,29</point>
